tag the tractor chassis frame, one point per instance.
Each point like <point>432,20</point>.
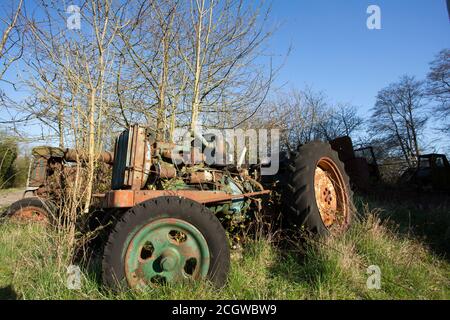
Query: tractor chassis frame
<point>130,198</point>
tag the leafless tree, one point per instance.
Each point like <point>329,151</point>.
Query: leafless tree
<point>218,45</point>
<point>306,115</point>
<point>11,47</point>
<point>398,117</point>
<point>438,86</point>
<point>71,76</point>
<point>148,45</point>
<point>10,36</point>
<point>305,110</point>
<point>189,62</point>
<point>342,120</point>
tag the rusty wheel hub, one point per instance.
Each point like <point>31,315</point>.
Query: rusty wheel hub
<point>30,214</point>
<point>330,192</point>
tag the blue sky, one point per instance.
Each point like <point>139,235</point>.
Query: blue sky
<point>334,51</point>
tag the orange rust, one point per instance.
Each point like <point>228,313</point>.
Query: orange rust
<point>30,214</point>
<point>73,155</point>
<point>325,196</point>
<point>330,193</point>
<point>129,198</point>
<point>119,199</point>
<point>201,177</point>
<point>167,172</point>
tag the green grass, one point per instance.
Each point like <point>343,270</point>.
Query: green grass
<point>334,268</point>
<point>425,217</point>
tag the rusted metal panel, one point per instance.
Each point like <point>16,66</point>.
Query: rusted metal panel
<point>119,199</point>
<point>133,159</point>
<point>38,172</point>
<point>134,170</point>
<point>129,198</point>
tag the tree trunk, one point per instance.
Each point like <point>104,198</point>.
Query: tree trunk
<point>91,149</point>
<point>198,68</point>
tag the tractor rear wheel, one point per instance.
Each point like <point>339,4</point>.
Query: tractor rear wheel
<point>318,195</point>
<point>166,240</point>
<point>31,209</point>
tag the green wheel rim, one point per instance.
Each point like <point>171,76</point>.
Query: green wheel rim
<point>166,251</point>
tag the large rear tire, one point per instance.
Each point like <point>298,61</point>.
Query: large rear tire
<point>166,240</point>
<point>318,196</point>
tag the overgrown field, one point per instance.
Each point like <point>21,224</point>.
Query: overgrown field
<point>411,266</point>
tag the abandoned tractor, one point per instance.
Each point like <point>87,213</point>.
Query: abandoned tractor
<point>51,170</point>
<point>172,215</point>
<point>360,164</point>
<point>431,174</point>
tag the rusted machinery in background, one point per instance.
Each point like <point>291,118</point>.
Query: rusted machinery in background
<point>49,165</point>
<point>174,218</point>
<point>432,173</point>
<point>50,174</point>
<point>360,164</point>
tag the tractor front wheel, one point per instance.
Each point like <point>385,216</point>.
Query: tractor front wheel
<point>31,209</point>
<point>166,240</point>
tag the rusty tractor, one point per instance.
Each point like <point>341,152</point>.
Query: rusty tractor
<point>170,215</point>
<point>360,164</point>
<point>50,169</point>
<point>432,173</point>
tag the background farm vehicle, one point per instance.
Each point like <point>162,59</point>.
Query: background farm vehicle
<point>50,165</point>
<point>173,217</point>
<point>432,173</point>
<point>50,173</point>
<point>360,164</point>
